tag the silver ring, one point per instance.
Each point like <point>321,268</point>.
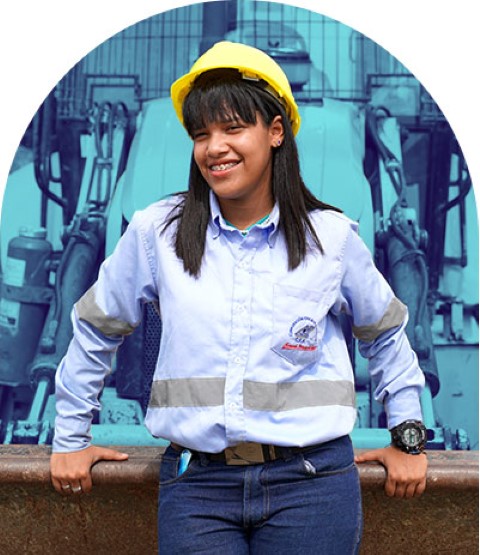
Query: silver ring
<point>66,486</point>
<point>77,490</point>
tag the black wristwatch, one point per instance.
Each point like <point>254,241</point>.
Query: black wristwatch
<point>410,436</point>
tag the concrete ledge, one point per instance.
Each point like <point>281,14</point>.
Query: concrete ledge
<point>119,516</point>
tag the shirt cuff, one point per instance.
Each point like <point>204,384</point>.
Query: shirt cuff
<point>71,434</point>
<point>403,405</point>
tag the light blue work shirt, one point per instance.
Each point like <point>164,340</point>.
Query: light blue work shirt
<point>250,351</point>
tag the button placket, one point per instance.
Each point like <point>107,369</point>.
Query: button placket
<point>239,348</point>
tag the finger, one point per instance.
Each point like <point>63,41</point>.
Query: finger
<point>86,483</point>
<point>109,455</point>
<point>57,485</point>
<point>76,488</point>
<point>400,490</point>
<point>390,487</point>
<point>420,488</point>
<point>66,489</point>
<point>410,490</point>
<point>375,455</point>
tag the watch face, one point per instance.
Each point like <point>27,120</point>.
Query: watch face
<point>412,436</point>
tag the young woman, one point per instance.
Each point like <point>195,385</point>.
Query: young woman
<point>253,386</point>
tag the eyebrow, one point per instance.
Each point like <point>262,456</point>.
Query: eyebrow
<point>231,119</point>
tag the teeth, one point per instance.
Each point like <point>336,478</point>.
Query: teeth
<point>222,167</point>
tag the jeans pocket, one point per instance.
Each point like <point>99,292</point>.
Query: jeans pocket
<point>312,472</point>
<point>169,467</point>
<point>335,457</point>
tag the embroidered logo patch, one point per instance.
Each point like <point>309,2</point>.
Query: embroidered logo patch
<point>300,346</point>
<point>303,335</point>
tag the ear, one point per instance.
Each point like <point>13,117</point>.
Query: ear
<point>276,132</point>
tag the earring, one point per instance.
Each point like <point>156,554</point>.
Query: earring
<point>279,142</point>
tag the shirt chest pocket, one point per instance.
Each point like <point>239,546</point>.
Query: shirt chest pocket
<point>298,326</point>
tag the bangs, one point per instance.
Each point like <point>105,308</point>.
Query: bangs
<point>220,96</point>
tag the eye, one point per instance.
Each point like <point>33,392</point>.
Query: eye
<point>200,134</point>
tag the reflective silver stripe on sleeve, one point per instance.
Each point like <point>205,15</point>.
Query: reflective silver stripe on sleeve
<point>188,392</point>
<point>89,311</point>
<point>277,397</point>
<point>393,317</point>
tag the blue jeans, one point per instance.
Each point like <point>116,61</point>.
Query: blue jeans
<point>308,504</point>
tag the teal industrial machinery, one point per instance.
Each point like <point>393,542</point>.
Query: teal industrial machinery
<point>91,173</point>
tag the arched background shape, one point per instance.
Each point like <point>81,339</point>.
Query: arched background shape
<point>41,41</point>
<point>339,76</point>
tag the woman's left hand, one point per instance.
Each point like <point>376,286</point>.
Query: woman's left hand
<point>406,474</point>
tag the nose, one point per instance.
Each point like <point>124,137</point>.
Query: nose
<point>217,145</point>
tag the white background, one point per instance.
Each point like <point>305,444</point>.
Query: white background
<point>40,40</point>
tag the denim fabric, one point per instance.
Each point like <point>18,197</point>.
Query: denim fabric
<point>309,504</point>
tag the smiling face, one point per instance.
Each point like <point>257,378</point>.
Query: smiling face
<point>235,126</point>
<point>235,159</point>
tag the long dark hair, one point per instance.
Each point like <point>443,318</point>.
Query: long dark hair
<point>222,95</point>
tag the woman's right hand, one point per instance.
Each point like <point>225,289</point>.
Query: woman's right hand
<point>71,472</point>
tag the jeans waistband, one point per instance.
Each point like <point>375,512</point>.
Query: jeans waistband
<point>252,453</point>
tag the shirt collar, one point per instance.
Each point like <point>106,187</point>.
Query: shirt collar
<point>218,224</point>
<point>216,218</point>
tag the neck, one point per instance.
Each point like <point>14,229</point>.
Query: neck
<point>243,215</point>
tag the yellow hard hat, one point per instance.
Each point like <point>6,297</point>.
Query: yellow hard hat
<point>251,63</point>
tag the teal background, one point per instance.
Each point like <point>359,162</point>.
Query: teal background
<point>126,67</point>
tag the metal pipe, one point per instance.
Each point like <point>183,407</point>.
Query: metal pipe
<point>120,514</point>
<point>426,401</point>
<point>39,401</point>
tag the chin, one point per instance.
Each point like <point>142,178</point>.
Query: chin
<point>225,193</point>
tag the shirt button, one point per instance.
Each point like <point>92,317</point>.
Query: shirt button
<point>238,360</point>
<point>232,407</point>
